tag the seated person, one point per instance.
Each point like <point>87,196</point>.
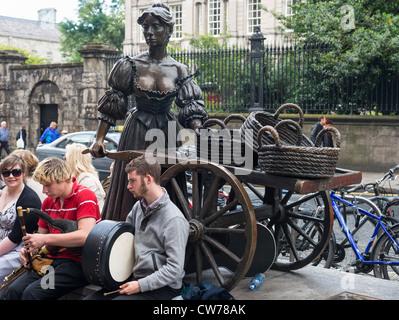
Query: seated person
<point>66,200</point>
<point>14,194</point>
<point>161,234</point>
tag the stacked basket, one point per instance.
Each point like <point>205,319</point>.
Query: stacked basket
<point>226,142</point>
<point>288,134</point>
<point>297,160</point>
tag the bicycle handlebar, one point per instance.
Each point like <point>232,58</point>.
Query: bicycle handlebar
<point>359,186</point>
<point>392,170</point>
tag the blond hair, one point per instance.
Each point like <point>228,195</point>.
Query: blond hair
<point>31,161</point>
<point>52,170</point>
<point>77,161</point>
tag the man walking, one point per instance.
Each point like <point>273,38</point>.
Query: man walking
<point>317,128</point>
<point>4,136</point>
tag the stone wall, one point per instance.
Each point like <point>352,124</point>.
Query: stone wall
<point>73,89</point>
<point>368,143</point>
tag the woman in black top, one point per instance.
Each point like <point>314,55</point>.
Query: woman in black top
<point>14,194</point>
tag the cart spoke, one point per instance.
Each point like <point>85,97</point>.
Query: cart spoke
<point>195,192</point>
<point>301,231</point>
<point>224,230</point>
<point>183,201</point>
<point>198,262</point>
<point>212,262</point>
<point>220,212</point>
<point>221,248</point>
<point>289,239</point>
<point>213,191</point>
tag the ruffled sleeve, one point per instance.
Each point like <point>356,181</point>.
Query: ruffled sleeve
<point>113,104</point>
<point>191,101</point>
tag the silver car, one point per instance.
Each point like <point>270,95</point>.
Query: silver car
<point>57,148</point>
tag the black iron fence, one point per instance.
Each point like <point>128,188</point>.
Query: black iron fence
<point>234,80</point>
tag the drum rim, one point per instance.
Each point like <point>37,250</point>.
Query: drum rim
<point>90,257</point>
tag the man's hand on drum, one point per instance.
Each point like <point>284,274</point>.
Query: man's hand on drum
<point>130,288</point>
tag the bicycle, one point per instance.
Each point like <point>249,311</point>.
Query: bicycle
<point>385,198</point>
<point>383,258</point>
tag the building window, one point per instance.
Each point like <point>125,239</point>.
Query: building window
<point>254,13</point>
<point>178,16</point>
<point>214,17</point>
<point>289,11</point>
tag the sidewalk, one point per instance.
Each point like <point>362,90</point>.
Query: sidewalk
<point>316,283</point>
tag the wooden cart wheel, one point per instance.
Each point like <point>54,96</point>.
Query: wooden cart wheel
<point>301,233</point>
<point>207,247</point>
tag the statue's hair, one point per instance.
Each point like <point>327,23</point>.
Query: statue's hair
<point>160,11</point>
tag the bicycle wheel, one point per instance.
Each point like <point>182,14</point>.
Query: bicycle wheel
<point>361,227</point>
<point>389,207</point>
<point>387,251</point>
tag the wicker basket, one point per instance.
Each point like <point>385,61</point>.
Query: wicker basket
<point>215,141</point>
<point>258,119</point>
<point>298,161</point>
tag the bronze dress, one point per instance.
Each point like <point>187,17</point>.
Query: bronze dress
<point>152,111</point>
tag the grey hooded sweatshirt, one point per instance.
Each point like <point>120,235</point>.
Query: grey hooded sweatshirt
<point>161,234</point>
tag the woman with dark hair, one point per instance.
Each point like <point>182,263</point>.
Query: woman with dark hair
<point>155,80</point>
<point>14,194</point>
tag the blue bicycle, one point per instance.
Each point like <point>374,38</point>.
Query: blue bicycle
<point>358,218</point>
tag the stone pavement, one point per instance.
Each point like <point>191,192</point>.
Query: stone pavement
<point>316,283</point>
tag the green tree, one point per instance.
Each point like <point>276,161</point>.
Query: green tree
<point>98,21</point>
<point>32,57</point>
<point>354,44</point>
<point>363,35</point>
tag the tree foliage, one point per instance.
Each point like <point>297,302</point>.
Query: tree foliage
<point>32,58</point>
<point>363,35</point>
<point>98,21</point>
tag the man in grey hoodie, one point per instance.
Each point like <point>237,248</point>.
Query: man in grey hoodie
<point>161,234</point>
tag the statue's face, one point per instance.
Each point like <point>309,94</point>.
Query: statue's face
<point>155,33</point>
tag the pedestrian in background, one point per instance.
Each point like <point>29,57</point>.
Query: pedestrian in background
<point>4,136</point>
<point>317,127</point>
<point>50,134</point>
<point>327,137</point>
<point>21,138</point>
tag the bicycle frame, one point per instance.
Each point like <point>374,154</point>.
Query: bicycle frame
<point>348,234</point>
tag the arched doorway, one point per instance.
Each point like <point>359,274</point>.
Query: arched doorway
<point>44,106</point>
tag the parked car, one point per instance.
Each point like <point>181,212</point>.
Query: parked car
<point>57,148</point>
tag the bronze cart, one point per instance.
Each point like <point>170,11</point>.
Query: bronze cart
<point>230,237</point>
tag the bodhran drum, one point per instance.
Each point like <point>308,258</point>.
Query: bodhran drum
<point>108,254</point>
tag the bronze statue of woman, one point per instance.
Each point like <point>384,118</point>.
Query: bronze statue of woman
<point>155,80</point>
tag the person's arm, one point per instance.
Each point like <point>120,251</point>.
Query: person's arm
<point>72,239</point>
<point>97,149</point>
<point>6,245</point>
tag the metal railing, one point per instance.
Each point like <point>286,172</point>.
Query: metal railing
<point>290,73</point>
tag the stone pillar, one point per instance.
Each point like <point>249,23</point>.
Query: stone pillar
<point>94,81</point>
<point>257,61</point>
<point>8,58</point>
